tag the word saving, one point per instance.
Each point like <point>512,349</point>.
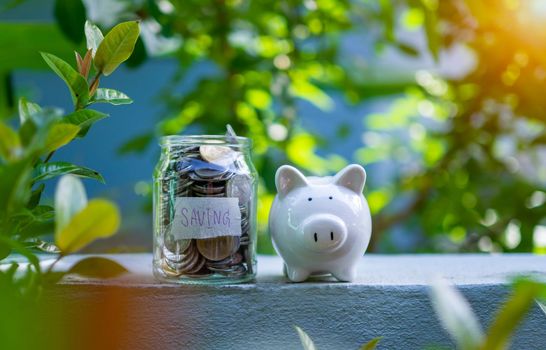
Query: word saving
<point>205,217</point>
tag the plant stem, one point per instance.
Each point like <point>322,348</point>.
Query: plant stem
<point>97,76</point>
<point>50,268</point>
<point>49,156</point>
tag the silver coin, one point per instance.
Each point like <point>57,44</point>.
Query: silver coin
<point>235,271</point>
<point>241,164</point>
<point>175,245</point>
<point>197,266</point>
<point>248,259</point>
<point>221,155</point>
<point>245,240</point>
<point>217,195</point>
<point>188,261</point>
<point>169,271</point>
<point>208,188</point>
<point>208,173</point>
<point>227,262</point>
<point>239,186</point>
<point>176,251</point>
<point>218,248</point>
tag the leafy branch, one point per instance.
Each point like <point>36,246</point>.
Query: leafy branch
<point>25,155</point>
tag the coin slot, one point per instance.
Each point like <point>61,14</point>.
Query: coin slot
<point>331,236</point>
<point>316,238</point>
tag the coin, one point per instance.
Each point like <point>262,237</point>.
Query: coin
<point>241,164</point>
<point>239,186</point>
<point>190,261</point>
<point>183,166</point>
<point>225,263</point>
<point>208,173</point>
<point>245,240</point>
<point>248,259</point>
<point>175,245</point>
<point>208,188</point>
<point>169,271</point>
<point>177,254</point>
<point>234,271</point>
<point>220,155</point>
<point>218,195</point>
<point>218,248</point>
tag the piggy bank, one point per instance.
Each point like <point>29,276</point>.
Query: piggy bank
<point>320,225</point>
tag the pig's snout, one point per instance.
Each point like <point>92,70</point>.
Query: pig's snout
<point>324,232</point>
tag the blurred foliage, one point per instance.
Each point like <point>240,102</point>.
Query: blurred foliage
<point>26,153</point>
<point>454,162</point>
<point>308,344</point>
<point>457,317</point>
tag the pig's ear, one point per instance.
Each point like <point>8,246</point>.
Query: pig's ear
<point>288,178</point>
<point>352,177</point>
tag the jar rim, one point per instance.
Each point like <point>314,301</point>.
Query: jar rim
<point>180,140</point>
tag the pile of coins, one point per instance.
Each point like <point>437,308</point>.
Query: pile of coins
<point>208,170</point>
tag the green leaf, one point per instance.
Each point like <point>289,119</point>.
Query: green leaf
<point>137,144</point>
<point>50,170</point>
<point>407,49</point>
<point>5,250</point>
<point>79,89</point>
<point>42,246</point>
<point>97,267</point>
<point>99,219</point>
<point>35,196</point>
<point>93,37</point>
<point>84,118</point>
<point>27,131</point>
<point>59,135</point>
<point>456,316</point>
<point>306,341</point>
<point>511,314</point>
<point>52,277</point>
<point>21,249</point>
<point>431,27</point>
<point>70,198</point>
<point>41,116</point>
<point>139,55</point>
<point>371,345</point>
<point>14,186</point>
<point>35,222</point>
<point>70,16</point>
<point>387,16</point>
<point>110,96</point>
<point>27,110</point>
<point>116,47</point>
<point>10,144</point>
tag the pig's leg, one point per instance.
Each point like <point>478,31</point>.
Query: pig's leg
<point>346,274</point>
<point>294,274</point>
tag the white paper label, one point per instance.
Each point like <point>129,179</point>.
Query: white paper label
<point>206,217</point>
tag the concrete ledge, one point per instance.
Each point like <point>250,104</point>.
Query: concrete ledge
<point>390,299</point>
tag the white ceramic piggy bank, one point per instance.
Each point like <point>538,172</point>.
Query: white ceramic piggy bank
<point>320,225</point>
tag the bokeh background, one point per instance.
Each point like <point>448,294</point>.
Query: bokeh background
<point>443,102</point>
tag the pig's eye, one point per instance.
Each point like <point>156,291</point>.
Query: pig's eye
<point>309,199</point>
<point>331,197</point>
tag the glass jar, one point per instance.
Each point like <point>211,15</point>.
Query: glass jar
<point>205,210</point>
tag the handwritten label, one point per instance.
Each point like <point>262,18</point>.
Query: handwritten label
<point>206,217</point>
